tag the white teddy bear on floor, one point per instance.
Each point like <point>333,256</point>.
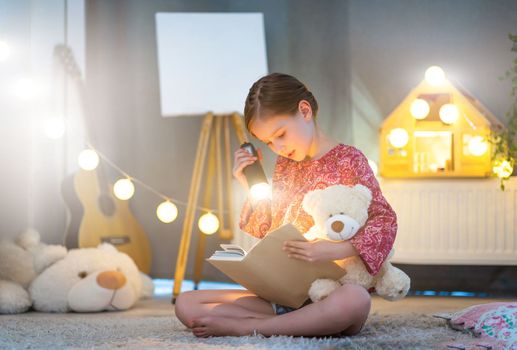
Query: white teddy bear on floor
<point>50,279</point>
<point>338,212</point>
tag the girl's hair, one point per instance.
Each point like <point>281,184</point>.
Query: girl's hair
<point>275,94</point>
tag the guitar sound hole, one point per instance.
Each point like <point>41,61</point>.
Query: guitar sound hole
<point>106,205</point>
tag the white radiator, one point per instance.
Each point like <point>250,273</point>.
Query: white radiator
<point>454,221</point>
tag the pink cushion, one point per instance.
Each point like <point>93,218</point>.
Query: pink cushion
<point>494,322</point>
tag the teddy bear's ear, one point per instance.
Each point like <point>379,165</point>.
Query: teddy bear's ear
<point>28,238</point>
<point>108,248</point>
<point>364,193</point>
<point>309,200</point>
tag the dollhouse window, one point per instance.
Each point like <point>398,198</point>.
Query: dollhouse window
<point>435,101</point>
<point>433,151</point>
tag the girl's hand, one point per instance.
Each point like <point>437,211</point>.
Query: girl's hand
<point>242,159</point>
<point>319,250</point>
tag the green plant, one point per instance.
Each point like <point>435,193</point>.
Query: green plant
<point>504,140</point>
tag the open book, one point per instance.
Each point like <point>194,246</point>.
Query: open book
<point>267,271</point>
<point>229,252</point>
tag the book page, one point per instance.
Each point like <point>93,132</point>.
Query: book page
<point>233,248</point>
<point>226,256</point>
<point>229,252</point>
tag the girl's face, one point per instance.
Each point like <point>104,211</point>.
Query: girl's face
<point>286,135</point>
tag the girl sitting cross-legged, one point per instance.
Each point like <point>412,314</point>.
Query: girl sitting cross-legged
<point>281,112</point>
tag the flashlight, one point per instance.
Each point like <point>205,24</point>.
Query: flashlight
<point>255,176</point>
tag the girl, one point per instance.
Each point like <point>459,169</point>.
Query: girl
<point>281,112</point>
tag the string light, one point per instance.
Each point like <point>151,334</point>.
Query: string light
<point>167,211</point>
<point>208,223</point>
<point>503,168</point>
<point>88,159</point>
<point>124,189</point>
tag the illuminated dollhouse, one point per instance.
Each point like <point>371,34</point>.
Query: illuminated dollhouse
<point>439,130</point>
<point>435,167</point>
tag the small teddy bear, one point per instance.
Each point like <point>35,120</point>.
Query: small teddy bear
<point>338,212</point>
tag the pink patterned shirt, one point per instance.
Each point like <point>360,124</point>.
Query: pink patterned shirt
<point>291,180</point>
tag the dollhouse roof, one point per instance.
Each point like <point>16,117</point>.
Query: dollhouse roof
<point>492,119</point>
<point>423,87</point>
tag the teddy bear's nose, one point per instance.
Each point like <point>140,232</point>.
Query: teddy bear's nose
<point>337,226</point>
<point>111,279</point>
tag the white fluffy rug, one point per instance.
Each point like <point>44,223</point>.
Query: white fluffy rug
<point>151,329</point>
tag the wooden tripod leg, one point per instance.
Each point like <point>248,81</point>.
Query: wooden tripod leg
<point>224,233</point>
<point>229,176</point>
<point>207,202</point>
<point>191,206</point>
<point>240,130</point>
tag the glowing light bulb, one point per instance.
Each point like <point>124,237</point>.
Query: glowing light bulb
<point>503,168</point>
<point>435,76</point>
<point>398,137</point>
<point>260,191</point>
<point>88,159</point>
<point>374,167</point>
<point>55,128</point>
<point>167,212</point>
<point>208,223</point>
<point>477,146</point>
<point>124,189</point>
<point>449,113</point>
<point>419,108</point>
<point>5,51</point>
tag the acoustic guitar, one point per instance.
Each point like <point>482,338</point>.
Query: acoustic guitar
<point>103,217</point>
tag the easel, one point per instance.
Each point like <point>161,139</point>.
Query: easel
<point>210,130</point>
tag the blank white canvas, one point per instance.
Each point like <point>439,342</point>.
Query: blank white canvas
<point>208,61</point>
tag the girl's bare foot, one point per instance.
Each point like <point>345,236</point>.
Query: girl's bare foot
<point>223,326</point>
